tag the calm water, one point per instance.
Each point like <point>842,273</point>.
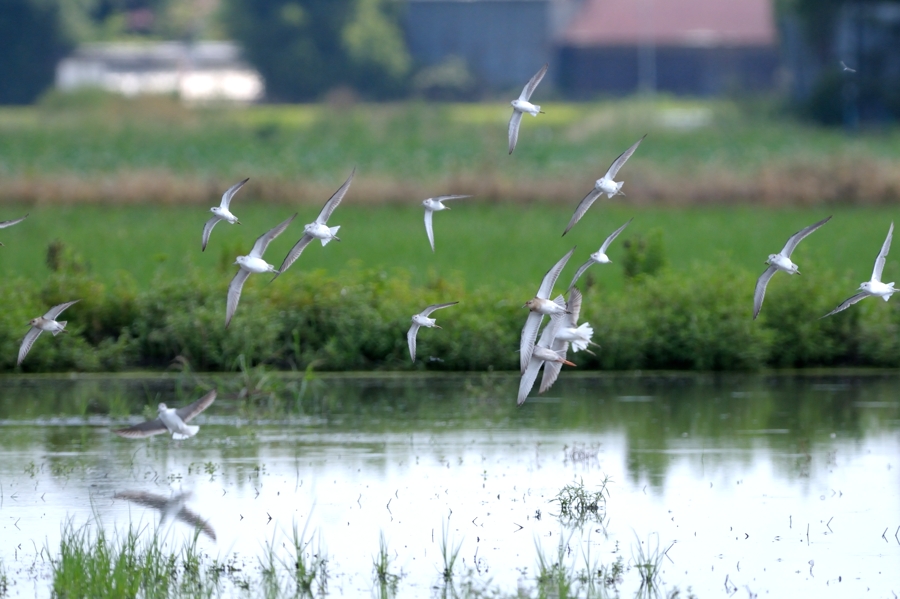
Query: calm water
<point>771,485</point>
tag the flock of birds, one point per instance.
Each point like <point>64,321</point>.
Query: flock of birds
<point>556,339</point>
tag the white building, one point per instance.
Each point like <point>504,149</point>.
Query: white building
<point>198,72</point>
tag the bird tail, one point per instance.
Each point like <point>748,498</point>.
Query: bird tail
<point>191,431</point>
<point>62,326</point>
<point>334,231</point>
<point>585,332</point>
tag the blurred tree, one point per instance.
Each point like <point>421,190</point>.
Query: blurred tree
<point>31,43</point>
<point>304,48</point>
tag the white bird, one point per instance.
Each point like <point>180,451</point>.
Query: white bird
<point>317,229</point>
<point>433,205</point>
<point>599,257</point>
<point>875,286</point>
<point>538,307</point>
<point>252,263</point>
<point>781,261</point>
<point>222,212</point>
<point>569,331</point>
<point>9,223</point>
<point>421,320</point>
<point>169,507</point>
<point>604,184</point>
<point>521,105</point>
<point>170,420</point>
<point>846,68</point>
<point>543,355</point>
<point>48,323</point>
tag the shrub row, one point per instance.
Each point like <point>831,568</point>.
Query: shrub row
<point>696,320</point>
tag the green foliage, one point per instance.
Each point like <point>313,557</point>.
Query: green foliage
<point>696,320</point>
<point>31,43</point>
<point>305,48</point>
<point>644,254</point>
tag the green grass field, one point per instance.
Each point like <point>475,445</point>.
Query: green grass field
<point>509,246</point>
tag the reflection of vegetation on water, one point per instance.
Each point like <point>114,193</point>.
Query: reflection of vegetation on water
<point>662,416</point>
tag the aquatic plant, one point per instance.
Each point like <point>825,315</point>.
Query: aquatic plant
<point>577,505</point>
<point>385,580</point>
<point>554,578</point>
<point>310,565</point>
<point>449,552</point>
<point>647,559</point>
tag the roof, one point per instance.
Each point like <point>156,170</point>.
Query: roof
<point>673,22</point>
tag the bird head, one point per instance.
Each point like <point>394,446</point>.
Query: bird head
<point>33,322</point>
<point>161,408</point>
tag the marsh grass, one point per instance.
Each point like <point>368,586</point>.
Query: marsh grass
<point>386,581</point>
<point>94,563</point>
<point>449,553</point>
<point>647,558</point>
<point>310,563</point>
<point>555,577</point>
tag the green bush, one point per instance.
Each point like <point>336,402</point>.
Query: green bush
<point>698,319</point>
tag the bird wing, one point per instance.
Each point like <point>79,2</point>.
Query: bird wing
<point>229,193</point>
<point>622,159</point>
<point>334,200</point>
<point>142,430</point>
<point>529,334</point>
<point>799,236</point>
<point>234,294</point>
<point>259,248</point>
<point>882,255</point>
<point>551,370</point>
<point>294,254</point>
<point>529,374</point>
<point>9,223</point>
<point>574,307</point>
<point>760,292</point>
<point>580,272</point>
<point>583,206</point>
<point>428,231</point>
<point>514,122</point>
<point>533,83</point>
<point>549,279</point>
<point>32,334</point>
<point>187,413</point>
<point>848,302</point>
<point>207,229</point>
<point>55,311</point>
<point>614,234</point>
<point>411,340</point>
<point>434,307</point>
<point>448,198</point>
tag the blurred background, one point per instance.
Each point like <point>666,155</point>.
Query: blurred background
<point>281,51</point>
<point>123,121</point>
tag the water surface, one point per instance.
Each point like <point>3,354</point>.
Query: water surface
<point>778,485</point>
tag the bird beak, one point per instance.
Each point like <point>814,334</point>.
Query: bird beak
<point>436,326</point>
<point>524,305</point>
<point>237,222</point>
<point>567,363</point>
